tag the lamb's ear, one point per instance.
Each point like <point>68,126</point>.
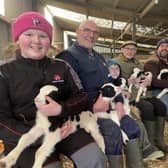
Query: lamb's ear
<point>54,95</point>
<point>164,75</point>
<point>108,91</point>
<point>140,73</point>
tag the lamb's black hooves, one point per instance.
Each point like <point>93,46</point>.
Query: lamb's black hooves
<point>133,103</point>
<point>78,126</point>
<point>66,119</point>
<point>72,118</point>
<point>163,158</point>
<point>77,118</point>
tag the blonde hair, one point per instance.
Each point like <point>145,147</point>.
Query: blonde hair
<point>10,50</point>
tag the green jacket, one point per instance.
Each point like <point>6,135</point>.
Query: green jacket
<point>127,66</point>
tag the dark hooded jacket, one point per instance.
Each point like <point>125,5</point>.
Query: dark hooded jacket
<point>20,81</point>
<point>155,66</point>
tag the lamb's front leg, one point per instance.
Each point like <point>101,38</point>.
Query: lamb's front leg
<point>97,136</point>
<point>115,118</point>
<point>140,91</point>
<point>130,88</point>
<point>163,92</point>
<point>144,91</point>
<point>26,140</point>
<point>88,121</point>
<point>50,140</point>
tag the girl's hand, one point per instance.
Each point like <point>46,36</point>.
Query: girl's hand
<point>50,109</point>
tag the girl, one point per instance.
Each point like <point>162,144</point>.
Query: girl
<point>20,81</point>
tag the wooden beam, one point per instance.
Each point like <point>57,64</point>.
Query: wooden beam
<point>141,15</point>
<point>148,8</point>
<point>4,19</point>
<point>125,30</point>
<point>115,3</point>
<point>78,6</point>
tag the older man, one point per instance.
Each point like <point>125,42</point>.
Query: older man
<point>153,111</point>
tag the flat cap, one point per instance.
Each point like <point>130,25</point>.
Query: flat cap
<point>130,42</point>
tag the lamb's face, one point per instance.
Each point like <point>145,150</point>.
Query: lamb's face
<point>45,90</point>
<point>148,75</point>
<point>109,91</point>
<point>142,74</point>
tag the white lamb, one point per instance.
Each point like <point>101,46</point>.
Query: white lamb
<point>159,77</point>
<point>137,73</point>
<point>88,121</point>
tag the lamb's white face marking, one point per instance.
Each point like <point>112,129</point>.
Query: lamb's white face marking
<point>40,98</point>
<point>136,70</point>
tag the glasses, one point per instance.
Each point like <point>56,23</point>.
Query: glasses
<point>89,31</point>
<point>131,49</point>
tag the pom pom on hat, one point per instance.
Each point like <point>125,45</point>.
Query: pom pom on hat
<point>161,42</point>
<point>31,20</point>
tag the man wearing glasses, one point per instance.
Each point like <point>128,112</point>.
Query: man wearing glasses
<point>92,70</point>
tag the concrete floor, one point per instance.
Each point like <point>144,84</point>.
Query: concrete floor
<point>157,163</point>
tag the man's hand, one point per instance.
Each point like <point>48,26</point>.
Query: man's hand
<point>120,110</point>
<point>145,82</point>
<point>101,105</point>
<point>133,81</point>
<point>66,129</point>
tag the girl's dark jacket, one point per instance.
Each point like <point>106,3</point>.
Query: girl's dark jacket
<point>20,81</point>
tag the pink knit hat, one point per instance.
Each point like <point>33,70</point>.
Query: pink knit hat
<point>30,20</point>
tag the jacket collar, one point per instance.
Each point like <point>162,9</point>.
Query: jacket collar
<point>83,48</point>
<point>124,59</point>
<point>31,62</point>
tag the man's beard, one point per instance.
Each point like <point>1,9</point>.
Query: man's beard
<point>163,56</point>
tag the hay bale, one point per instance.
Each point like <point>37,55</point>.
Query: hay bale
<point>66,162</point>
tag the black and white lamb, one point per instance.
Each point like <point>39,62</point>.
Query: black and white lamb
<point>109,92</point>
<point>141,75</point>
<point>162,75</point>
<point>87,120</point>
